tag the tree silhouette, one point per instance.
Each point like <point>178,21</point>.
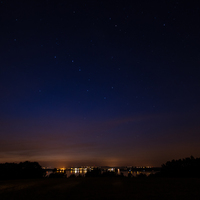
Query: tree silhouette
<point>22,170</point>
<point>96,172</point>
<point>188,167</point>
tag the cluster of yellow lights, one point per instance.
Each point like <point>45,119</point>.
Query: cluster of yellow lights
<point>79,170</point>
<point>61,169</point>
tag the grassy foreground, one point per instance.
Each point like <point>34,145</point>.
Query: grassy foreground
<point>101,188</point>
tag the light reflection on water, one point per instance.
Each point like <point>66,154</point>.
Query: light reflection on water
<point>76,173</point>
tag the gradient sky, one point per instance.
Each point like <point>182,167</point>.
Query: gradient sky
<point>99,82</point>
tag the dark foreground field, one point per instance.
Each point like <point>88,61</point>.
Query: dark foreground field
<point>101,188</point>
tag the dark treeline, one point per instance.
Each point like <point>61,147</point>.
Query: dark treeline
<point>22,170</point>
<point>97,173</point>
<point>187,167</point>
<point>135,169</point>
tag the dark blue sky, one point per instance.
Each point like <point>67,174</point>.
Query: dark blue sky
<point>99,82</point>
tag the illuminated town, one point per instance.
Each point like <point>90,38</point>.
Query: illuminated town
<point>125,171</point>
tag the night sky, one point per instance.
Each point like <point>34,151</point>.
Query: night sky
<point>112,83</point>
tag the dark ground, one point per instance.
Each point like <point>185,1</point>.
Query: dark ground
<point>101,188</point>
